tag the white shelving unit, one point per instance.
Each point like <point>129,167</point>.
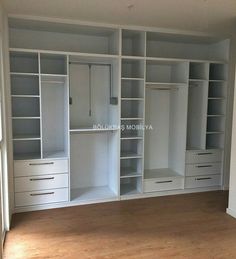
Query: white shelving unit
<point>121,113</point>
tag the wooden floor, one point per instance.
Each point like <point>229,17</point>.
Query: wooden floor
<point>183,226</point>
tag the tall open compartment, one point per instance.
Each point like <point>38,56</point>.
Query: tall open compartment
<point>166,113</point>
<point>94,115</point>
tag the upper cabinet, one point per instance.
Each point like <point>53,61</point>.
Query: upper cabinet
<point>63,37</point>
<point>169,45</point>
<point>135,43</point>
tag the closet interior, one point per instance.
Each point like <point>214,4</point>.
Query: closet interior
<point>107,113</point>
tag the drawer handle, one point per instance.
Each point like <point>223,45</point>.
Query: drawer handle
<point>203,178</point>
<point>169,181</point>
<point>39,194</point>
<point>205,153</point>
<point>47,163</point>
<point>41,179</point>
<point>203,166</point>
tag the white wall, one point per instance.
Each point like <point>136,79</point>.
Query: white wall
<point>6,117</point>
<point>232,157</point>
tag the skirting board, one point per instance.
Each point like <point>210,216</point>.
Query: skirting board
<point>232,213</point>
<point>139,196</point>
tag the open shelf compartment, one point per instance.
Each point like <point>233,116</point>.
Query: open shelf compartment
<point>166,72</point>
<point>133,43</point>
<point>23,62</point>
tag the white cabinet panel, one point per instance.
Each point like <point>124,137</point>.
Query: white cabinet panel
<point>202,169</point>
<point>36,183</point>
<point>203,156</point>
<point>163,184</point>
<point>202,181</point>
<point>40,167</point>
<point>41,197</point>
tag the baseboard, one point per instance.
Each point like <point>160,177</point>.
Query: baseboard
<point>232,213</point>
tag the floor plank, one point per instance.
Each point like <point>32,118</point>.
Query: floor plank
<point>182,226</point>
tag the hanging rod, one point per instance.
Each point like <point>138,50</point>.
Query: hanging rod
<point>89,63</point>
<point>52,82</point>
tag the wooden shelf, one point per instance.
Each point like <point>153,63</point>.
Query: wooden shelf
<point>128,172</point>
<point>124,137</point>
<point>197,80</point>
<point>128,155</point>
<point>158,84</point>
<point>133,78</point>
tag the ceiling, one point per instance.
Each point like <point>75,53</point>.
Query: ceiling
<point>196,15</point>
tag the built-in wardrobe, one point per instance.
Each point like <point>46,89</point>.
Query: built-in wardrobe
<point>108,113</point>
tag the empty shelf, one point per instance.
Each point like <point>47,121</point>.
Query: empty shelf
<point>159,173</point>
<point>130,137</point>
<point>92,193</point>
<point>129,189</point>
<point>55,154</point>
<point>126,172</point>
<point>27,156</point>
<point>128,155</point>
<point>132,78</point>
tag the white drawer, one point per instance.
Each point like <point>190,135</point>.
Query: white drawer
<point>205,156</point>
<point>203,181</point>
<point>163,184</point>
<point>202,169</point>
<point>40,167</point>
<point>36,183</point>
<point>41,197</point>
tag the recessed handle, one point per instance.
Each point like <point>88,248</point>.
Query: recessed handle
<point>41,179</point>
<point>204,153</point>
<point>203,178</point>
<point>169,181</point>
<point>40,194</point>
<point>203,166</point>
<point>47,163</point>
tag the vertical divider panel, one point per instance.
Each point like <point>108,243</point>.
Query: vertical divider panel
<point>144,100</point>
<point>40,104</point>
<point>68,124</point>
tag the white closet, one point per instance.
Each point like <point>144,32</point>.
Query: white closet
<point>107,113</point>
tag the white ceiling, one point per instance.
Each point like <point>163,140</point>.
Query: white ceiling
<point>197,15</point>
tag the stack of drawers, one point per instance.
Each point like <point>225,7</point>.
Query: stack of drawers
<point>41,181</point>
<point>203,168</point>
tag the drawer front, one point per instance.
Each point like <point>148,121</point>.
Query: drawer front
<point>203,156</point>
<point>202,181</point>
<point>165,184</point>
<point>203,169</point>
<point>40,167</point>
<point>41,197</point>
<point>36,183</point>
